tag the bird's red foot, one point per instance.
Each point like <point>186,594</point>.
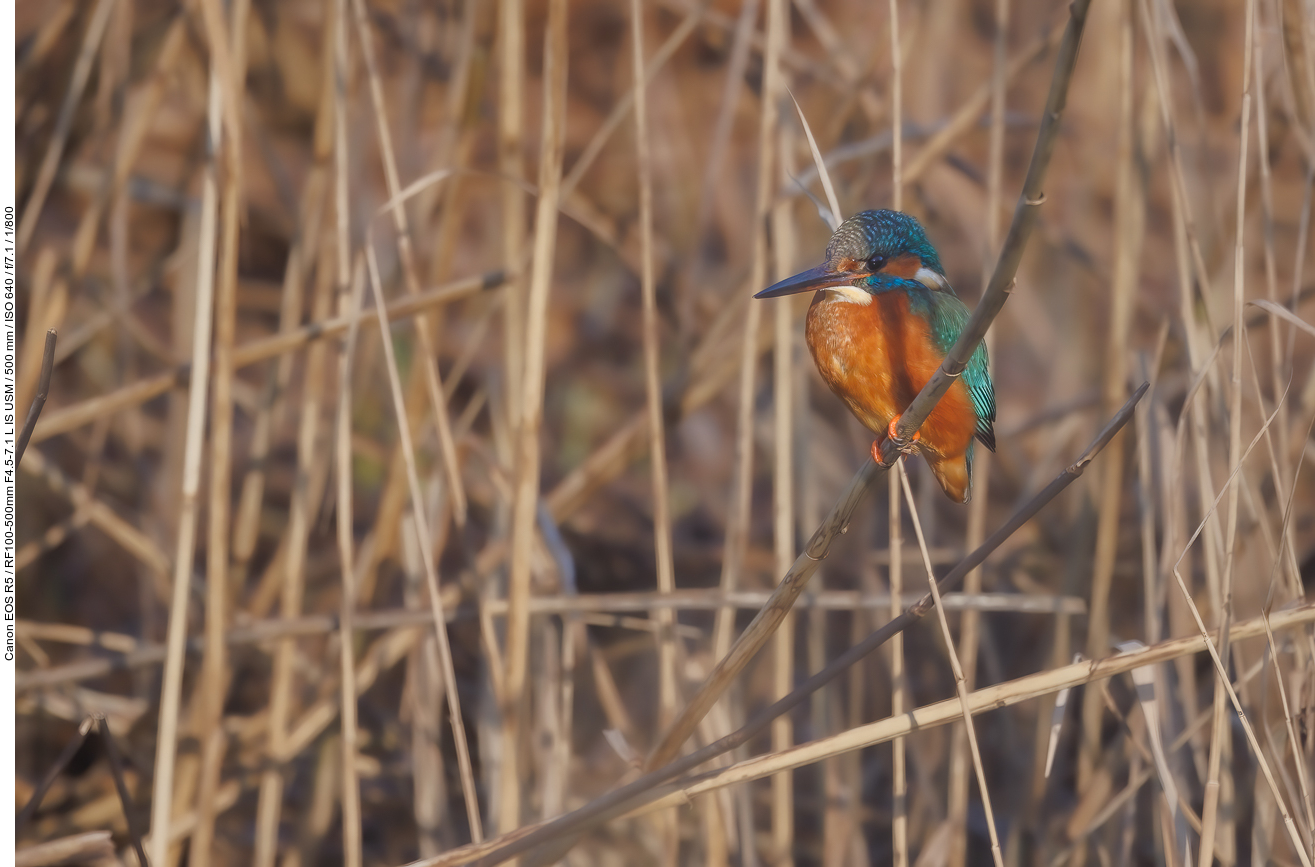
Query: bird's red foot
<point>905,446</point>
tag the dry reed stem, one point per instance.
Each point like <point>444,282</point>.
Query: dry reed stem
<point>527,455</point>
<point>511,162</point>
<point>1128,222</point>
<point>73,849</point>
<point>899,824</point>
<point>1206,819</point>
<point>784,410</point>
<point>39,400</point>
<point>351,290</point>
<point>100,515</point>
<point>736,538</point>
<point>426,354</point>
<point>171,690</point>
<point>75,416</point>
<point>957,785</point>
<point>612,804</point>
<point>1020,229</point>
<point>1284,469</point>
<point>208,703</point>
<point>289,580</point>
<point>899,831</point>
<point>427,556</point>
<point>959,680</point>
<point>666,580</point>
<point>627,101</point>
<point>91,39</point>
<point>732,86</point>
<point>1000,286</point>
<point>596,609</point>
<point>1218,777</point>
<point>246,523</point>
<point>986,699</point>
<point>949,133</point>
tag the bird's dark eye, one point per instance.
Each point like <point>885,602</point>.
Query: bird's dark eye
<point>876,263</point>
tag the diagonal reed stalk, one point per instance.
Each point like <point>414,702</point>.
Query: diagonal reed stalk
<point>633,794</point>
<point>998,290</point>
<point>960,682</point>
<point>426,543</point>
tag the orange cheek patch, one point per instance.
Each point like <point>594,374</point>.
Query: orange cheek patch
<point>903,266</point>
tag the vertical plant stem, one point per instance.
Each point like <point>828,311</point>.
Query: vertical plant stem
<point>527,455</point>
<point>899,760</point>
<point>350,291</point>
<point>308,488</point>
<point>969,621</point>
<point>1128,222</point>
<point>511,60</point>
<point>1220,729</point>
<point>899,823</point>
<point>209,704</point>
<point>666,579</point>
<point>784,409</point>
<point>166,744</point>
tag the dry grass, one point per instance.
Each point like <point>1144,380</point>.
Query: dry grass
<point>331,370</point>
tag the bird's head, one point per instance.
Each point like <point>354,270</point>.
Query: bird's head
<point>870,253</point>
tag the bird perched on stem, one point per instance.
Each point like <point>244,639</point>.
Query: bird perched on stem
<point>883,319</point>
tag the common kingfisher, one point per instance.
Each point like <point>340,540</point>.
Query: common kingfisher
<point>883,319</point>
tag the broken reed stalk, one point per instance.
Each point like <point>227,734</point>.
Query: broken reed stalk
<point>166,745</point>
<point>65,756</point>
<point>633,794</point>
<point>39,401</point>
<point>121,787</point>
<point>1002,280</point>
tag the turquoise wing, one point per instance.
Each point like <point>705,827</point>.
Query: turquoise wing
<point>948,318</point>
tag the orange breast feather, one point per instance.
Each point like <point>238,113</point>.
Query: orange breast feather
<point>876,357</point>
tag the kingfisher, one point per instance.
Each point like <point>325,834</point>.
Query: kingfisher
<point>882,321</point>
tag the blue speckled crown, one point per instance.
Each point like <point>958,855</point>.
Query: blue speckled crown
<point>884,233</point>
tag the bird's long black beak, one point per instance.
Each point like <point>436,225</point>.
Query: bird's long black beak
<point>810,280</point>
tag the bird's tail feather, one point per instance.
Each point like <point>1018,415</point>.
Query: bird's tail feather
<point>954,474</point>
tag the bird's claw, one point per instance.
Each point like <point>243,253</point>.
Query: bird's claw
<point>903,446</point>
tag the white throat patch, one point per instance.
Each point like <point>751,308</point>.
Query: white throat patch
<point>850,294</point>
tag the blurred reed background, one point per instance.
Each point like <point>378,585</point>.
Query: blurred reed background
<point>224,530</point>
